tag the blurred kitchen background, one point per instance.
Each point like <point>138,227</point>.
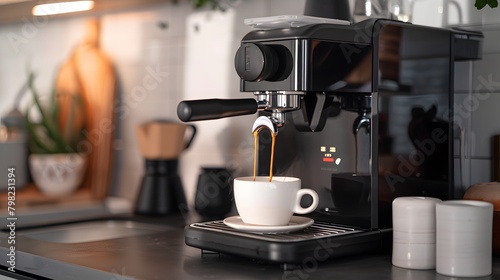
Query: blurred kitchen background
<point>189,54</point>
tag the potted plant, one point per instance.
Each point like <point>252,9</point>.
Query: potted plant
<point>56,167</point>
<point>479,4</point>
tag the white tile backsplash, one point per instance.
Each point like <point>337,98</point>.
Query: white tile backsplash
<point>486,73</point>
<point>285,7</point>
<point>477,108</point>
<point>463,80</point>
<point>123,37</point>
<point>43,46</point>
<point>428,12</point>
<point>462,119</point>
<point>480,171</point>
<point>490,41</point>
<point>470,172</point>
<point>192,53</point>
<point>209,61</point>
<point>485,123</point>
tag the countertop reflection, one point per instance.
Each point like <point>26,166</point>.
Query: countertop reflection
<point>164,255</point>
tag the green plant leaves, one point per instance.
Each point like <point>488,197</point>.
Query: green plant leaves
<point>76,109</point>
<point>36,144</point>
<point>214,4</point>
<point>46,135</point>
<point>482,3</point>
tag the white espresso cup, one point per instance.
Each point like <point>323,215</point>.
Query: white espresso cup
<point>261,202</point>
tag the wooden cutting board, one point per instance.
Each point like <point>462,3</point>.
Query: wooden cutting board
<point>90,73</point>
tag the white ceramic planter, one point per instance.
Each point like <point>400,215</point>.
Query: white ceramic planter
<point>57,175</point>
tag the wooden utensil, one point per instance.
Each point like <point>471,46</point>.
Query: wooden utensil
<point>90,73</point>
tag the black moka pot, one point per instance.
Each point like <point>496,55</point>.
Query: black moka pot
<point>161,190</point>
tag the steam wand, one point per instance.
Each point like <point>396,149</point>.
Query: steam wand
<point>363,120</point>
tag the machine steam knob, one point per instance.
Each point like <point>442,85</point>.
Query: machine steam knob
<point>256,62</point>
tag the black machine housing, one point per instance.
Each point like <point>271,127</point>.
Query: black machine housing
<point>375,122</point>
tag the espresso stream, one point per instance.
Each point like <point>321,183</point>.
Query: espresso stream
<point>256,148</point>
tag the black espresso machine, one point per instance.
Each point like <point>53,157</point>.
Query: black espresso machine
<point>364,114</point>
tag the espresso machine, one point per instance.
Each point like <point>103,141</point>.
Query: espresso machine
<point>364,115</point>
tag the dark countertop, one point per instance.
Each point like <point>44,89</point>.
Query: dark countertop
<point>164,255</point>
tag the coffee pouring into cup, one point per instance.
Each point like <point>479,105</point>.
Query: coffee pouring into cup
<point>270,201</point>
<point>260,124</point>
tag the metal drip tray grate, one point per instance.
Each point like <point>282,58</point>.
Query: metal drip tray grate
<point>315,231</point>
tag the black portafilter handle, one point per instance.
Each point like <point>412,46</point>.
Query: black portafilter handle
<point>210,109</point>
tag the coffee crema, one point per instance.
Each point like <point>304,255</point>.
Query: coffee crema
<point>256,148</point>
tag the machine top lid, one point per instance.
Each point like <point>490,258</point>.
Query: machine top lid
<point>289,21</point>
<point>361,33</point>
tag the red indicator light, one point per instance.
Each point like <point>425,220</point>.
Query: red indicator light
<point>327,159</point>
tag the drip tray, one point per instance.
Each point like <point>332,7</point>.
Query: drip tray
<point>316,230</point>
<point>320,241</point>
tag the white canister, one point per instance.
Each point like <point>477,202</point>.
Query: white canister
<point>414,232</point>
<point>463,238</point>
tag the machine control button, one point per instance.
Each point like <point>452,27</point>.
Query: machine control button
<point>255,62</point>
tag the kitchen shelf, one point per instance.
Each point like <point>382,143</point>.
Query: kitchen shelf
<point>21,11</point>
<point>30,196</point>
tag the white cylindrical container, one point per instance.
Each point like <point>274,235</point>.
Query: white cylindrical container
<point>414,232</point>
<point>463,238</point>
